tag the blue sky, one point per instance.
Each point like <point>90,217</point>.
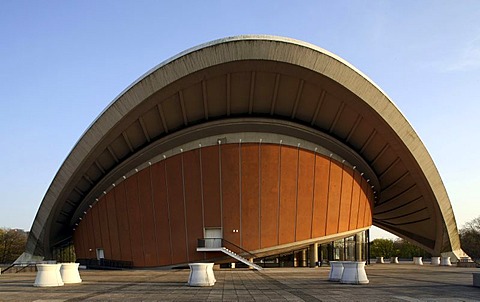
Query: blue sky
<point>63,62</point>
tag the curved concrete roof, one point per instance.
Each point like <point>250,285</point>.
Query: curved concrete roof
<point>231,85</point>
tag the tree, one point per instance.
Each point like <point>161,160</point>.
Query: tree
<point>470,238</point>
<point>12,244</point>
<point>408,250</point>
<point>382,248</point>
<point>400,248</point>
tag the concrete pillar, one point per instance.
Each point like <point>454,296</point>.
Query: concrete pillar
<point>250,260</point>
<point>304,258</point>
<point>314,255</point>
<point>295,259</point>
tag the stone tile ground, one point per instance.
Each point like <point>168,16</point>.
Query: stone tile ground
<point>388,282</point>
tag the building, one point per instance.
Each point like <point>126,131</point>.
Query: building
<point>271,144</point>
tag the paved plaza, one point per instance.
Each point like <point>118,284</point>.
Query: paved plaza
<point>388,282</point>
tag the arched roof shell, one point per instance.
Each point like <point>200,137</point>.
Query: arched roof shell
<point>282,84</point>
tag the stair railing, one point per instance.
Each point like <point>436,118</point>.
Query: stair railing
<point>221,242</point>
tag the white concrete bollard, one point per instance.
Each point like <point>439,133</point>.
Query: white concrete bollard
<point>393,259</point>
<point>445,261</point>
<point>336,270</point>
<point>211,275</point>
<point>417,261</point>
<point>354,273</point>
<point>201,274</point>
<point>435,261</point>
<point>48,275</point>
<point>69,273</point>
<point>380,260</point>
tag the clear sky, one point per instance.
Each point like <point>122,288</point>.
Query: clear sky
<point>63,62</point>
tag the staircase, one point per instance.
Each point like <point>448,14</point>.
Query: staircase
<point>203,246</point>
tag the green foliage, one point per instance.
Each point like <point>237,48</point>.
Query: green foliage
<point>12,244</point>
<point>65,254</point>
<point>382,248</point>
<point>396,248</point>
<point>409,250</point>
<point>470,238</point>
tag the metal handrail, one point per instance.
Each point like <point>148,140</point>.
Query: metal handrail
<point>201,242</point>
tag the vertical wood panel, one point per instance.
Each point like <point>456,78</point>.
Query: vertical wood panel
<point>82,236</point>
<point>288,192</point>
<point>361,208</point>
<point>147,217</point>
<point>269,194</point>
<point>103,217</point>
<point>134,218</point>
<point>113,226</point>
<point>123,222</point>
<point>346,200</point>
<point>161,213</point>
<point>97,233</point>
<point>177,214</point>
<point>231,192</point>
<point>334,192</point>
<point>355,200</point>
<point>211,186</point>
<point>78,241</point>
<point>304,195</point>
<point>90,235</point>
<point>142,219</point>
<point>250,195</point>
<point>322,175</point>
<point>193,201</point>
<point>368,210</point>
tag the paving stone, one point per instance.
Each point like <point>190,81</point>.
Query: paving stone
<point>403,282</point>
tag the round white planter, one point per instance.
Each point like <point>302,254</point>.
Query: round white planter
<point>336,270</point>
<point>48,275</point>
<point>354,273</point>
<point>201,274</point>
<point>445,261</point>
<point>69,273</point>
<point>417,261</point>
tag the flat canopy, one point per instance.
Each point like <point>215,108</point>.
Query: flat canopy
<point>279,85</point>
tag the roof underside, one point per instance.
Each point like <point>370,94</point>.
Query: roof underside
<point>267,78</point>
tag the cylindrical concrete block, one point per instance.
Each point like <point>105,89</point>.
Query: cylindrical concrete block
<point>417,261</point>
<point>48,275</point>
<point>393,259</point>
<point>69,273</point>
<point>211,275</point>
<point>445,261</point>
<point>435,261</point>
<point>201,274</point>
<point>336,270</point>
<point>354,273</point>
<point>380,260</point>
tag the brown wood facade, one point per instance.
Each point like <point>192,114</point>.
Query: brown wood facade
<point>272,194</point>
